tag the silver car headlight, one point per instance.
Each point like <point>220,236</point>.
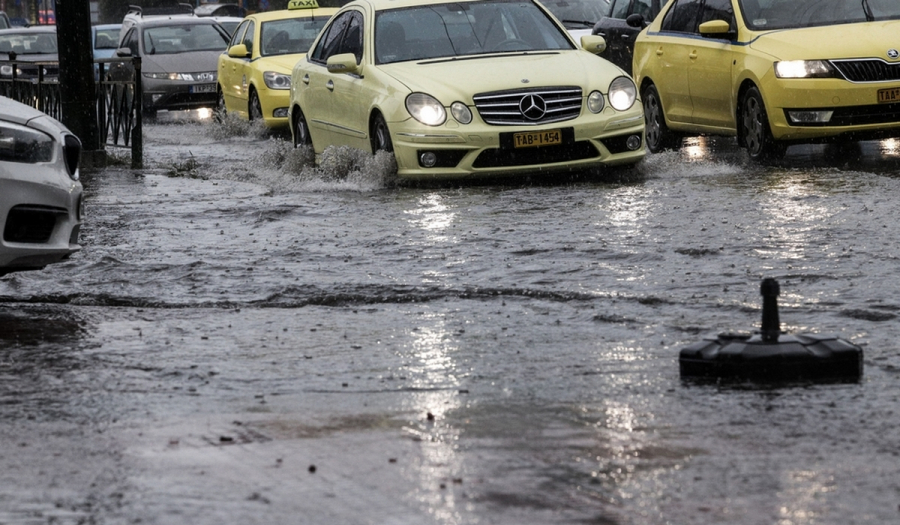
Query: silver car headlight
<point>595,102</point>
<point>622,93</point>
<point>804,69</point>
<point>426,109</point>
<point>461,112</point>
<point>186,77</point>
<point>24,145</point>
<point>275,80</point>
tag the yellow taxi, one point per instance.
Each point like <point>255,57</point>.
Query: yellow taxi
<point>771,72</point>
<point>467,88</point>
<point>255,70</point>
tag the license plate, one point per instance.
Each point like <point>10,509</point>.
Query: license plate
<point>203,88</point>
<point>533,139</point>
<point>889,95</point>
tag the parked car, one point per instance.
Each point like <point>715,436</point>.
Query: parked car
<point>216,10</point>
<point>40,196</point>
<point>578,16</point>
<point>255,72</point>
<point>178,60</point>
<point>104,40</point>
<point>771,72</point>
<point>27,46</point>
<point>467,88</point>
<point>620,28</point>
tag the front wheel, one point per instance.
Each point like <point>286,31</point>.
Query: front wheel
<point>255,108</point>
<point>659,137</point>
<point>381,136</point>
<point>756,135</point>
<point>301,130</point>
<point>220,110</point>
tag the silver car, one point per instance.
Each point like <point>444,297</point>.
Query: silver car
<point>40,196</point>
<point>179,57</point>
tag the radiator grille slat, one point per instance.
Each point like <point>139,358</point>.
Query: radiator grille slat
<point>527,107</point>
<point>868,70</point>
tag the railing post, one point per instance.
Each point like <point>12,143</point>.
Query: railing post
<point>102,124</point>
<point>137,134</point>
<point>40,88</point>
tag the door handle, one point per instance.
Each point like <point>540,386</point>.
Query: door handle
<point>693,55</point>
<point>659,51</point>
<point>330,85</point>
<point>306,78</point>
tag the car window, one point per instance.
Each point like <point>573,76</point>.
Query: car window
<point>330,42</point>
<point>717,10</point>
<point>106,38</point>
<point>645,9</point>
<point>352,41</point>
<point>290,35</point>
<point>130,41</point>
<point>163,40</point>
<point>28,43</point>
<point>786,14</point>
<point>448,30</point>
<point>682,16</point>
<point>238,33</point>
<point>248,36</point>
<point>620,9</point>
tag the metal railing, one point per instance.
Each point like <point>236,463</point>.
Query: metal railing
<point>119,115</point>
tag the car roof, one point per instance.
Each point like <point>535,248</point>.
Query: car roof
<point>283,14</point>
<point>175,21</point>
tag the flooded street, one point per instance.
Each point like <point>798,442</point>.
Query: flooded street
<point>246,338</point>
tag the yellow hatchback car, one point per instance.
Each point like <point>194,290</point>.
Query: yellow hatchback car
<point>464,88</point>
<point>771,72</point>
<point>255,70</point>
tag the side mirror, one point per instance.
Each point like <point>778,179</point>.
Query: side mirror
<point>716,29</point>
<point>636,20</point>
<point>595,44</point>
<point>123,52</point>
<point>343,63</point>
<point>238,51</point>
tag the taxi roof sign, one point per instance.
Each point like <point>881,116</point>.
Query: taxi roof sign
<point>303,4</point>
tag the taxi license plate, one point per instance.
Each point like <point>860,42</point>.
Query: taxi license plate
<point>533,139</point>
<point>888,95</point>
<point>203,88</point>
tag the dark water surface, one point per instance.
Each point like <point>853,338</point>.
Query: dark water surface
<point>246,338</point>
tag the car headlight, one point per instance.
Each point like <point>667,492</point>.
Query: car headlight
<point>461,112</point>
<point>426,109</point>
<point>804,69</point>
<point>622,93</point>
<point>596,102</point>
<point>186,77</point>
<point>275,80</point>
<point>25,145</point>
<point>6,70</point>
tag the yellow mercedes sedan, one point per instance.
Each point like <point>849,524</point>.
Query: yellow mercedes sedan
<point>771,72</point>
<point>468,88</point>
<point>255,70</point>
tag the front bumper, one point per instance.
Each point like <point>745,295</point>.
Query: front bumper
<point>178,94</point>
<point>854,109</point>
<point>40,216</point>
<point>479,150</point>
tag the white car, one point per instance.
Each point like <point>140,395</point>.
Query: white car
<point>40,196</point>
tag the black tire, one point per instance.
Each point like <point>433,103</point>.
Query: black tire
<point>254,108</point>
<point>300,130</point>
<point>659,137</point>
<point>756,135</point>
<point>381,136</point>
<point>221,110</point>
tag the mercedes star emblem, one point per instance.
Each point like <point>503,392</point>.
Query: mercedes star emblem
<point>533,107</point>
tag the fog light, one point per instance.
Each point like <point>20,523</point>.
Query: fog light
<point>633,142</point>
<point>155,98</point>
<point>810,117</point>
<point>427,159</point>
<point>280,113</point>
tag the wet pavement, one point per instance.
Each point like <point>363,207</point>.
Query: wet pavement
<point>246,338</point>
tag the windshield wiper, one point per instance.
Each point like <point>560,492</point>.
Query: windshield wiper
<point>585,23</point>
<point>868,10</point>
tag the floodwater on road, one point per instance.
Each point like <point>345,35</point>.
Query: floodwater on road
<point>246,338</point>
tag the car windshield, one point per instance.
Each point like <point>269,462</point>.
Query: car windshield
<point>28,43</point>
<point>164,40</point>
<point>106,38</point>
<point>289,36</point>
<point>786,14</point>
<point>450,30</point>
<point>578,13</point>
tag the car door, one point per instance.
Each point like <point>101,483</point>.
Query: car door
<point>229,79</point>
<point>236,92</point>
<point>672,52</point>
<point>350,121</point>
<point>619,35</point>
<point>710,72</point>
<point>316,84</point>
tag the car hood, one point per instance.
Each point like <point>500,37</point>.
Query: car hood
<point>460,79</point>
<point>847,41</point>
<point>280,63</point>
<point>25,115</point>
<point>191,62</point>
<point>34,57</point>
